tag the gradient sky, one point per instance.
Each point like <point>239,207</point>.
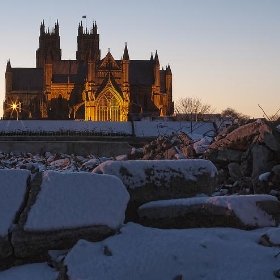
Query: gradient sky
<point>227,53</point>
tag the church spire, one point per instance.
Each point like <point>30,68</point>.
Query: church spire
<point>168,70</point>
<point>56,27</point>
<point>8,67</point>
<point>156,58</point>
<point>125,52</point>
<point>80,28</point>
<point>94,28</point>
<point>42,28</point>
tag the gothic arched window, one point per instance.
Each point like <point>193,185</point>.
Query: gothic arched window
<point>108,108</point>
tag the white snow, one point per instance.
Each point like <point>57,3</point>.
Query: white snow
<point>72,200</point>
<point>201,145</point>
<point>274,235</point>
<point>38,271</point>
<point>244,206</point>
<point>63,126</point>
<point>13,187</point>
<point>144,253</point>
<point>91,163</point>
<point>142,128</point>
<point>137,252</point>
<point>264,176</point>
<point>162,169</point>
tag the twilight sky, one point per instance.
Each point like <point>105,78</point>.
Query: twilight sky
<point>225,52</point>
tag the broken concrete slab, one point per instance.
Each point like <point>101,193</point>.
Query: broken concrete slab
<point>13,197</point>
<point>67,207</point>
<point>219,211</point>
<point>149,180</point>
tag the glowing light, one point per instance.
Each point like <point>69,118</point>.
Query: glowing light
<point>14,106</point>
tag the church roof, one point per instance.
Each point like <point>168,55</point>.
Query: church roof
<point>27,79</point>
<point>109,62</point>
<point>109,80</point>
<point>75,70</point>
<point>141,72</point>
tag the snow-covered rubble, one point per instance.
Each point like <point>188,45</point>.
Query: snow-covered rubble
<point>49,161</point>
<point>65,201</point>
<point>159,173</point>
<point>54,210</point>
<point>72,201</point>
<point>150,180</point>
<point>241,211</point>
<point>13,188</point>
<point>143,253</point>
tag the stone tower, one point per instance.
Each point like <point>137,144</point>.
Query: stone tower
<point>49,45</point>
<point>88,43</point>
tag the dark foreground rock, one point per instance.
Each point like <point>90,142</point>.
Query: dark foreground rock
<point>34,246</point>
<point>245,153</point>
<point>148,180</point>
<point>271,238</point>
<point>54,211</point>
<point>13,192</point>
<point>262,211</point>
<point>240,153</point>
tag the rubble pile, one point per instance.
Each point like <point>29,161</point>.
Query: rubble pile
<point>174,182</point>
<point>167,147</point>
<point>247,156</point>
<point>149,180</point>
<point>48,161</point>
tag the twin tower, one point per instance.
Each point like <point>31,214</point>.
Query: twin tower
<point>88,88</point>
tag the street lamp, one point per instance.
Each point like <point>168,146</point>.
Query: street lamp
<point>15,107</point>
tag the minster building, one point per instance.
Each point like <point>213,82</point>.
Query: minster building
<point>88,88</point>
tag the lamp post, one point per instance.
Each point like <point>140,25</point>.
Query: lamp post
<point>15,107</point>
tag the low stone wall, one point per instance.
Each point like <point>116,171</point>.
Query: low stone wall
<point>97,148</point>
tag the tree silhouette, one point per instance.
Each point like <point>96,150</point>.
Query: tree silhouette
<point>192,108</point>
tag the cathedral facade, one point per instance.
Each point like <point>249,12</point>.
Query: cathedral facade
<point>88,88</point>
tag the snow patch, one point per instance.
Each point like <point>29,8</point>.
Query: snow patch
<point>13,188</point>
<point>72,200</point>
<point>244,206</point>
<point>146,253</point>
<point>136,174</point>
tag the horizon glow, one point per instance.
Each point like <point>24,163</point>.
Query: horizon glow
<point>224,52</point>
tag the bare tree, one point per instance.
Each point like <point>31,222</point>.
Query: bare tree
<point>192,108</point>
<point>274,118</point>
<point>237,116</point>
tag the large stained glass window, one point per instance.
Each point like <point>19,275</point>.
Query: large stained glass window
<point>108,108</point>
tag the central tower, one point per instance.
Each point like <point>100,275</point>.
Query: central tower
<point>49,45</point>
<point>88,43</point>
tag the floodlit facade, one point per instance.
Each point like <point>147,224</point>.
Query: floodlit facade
<point>88,88</point>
